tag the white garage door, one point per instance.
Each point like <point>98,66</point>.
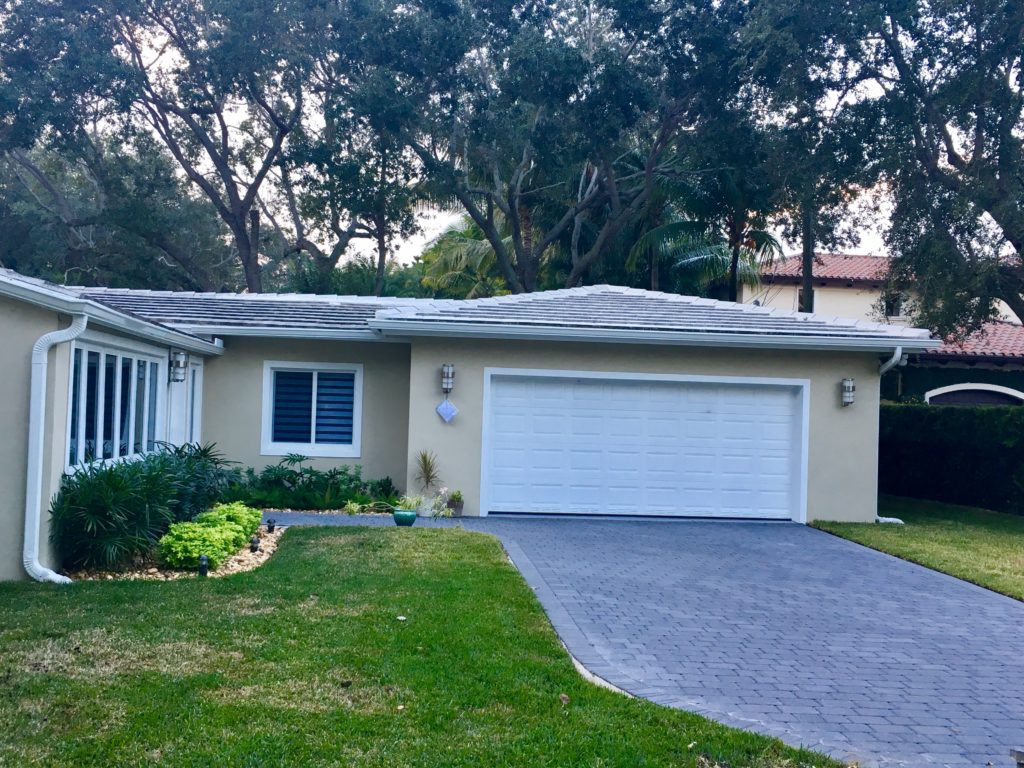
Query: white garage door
<point>569,445</point>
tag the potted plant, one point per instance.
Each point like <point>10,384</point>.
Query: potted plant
<point>405,511</point>
<point>456,503</point>
<point>428,476</point>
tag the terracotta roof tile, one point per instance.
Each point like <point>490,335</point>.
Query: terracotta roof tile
<point>999,339</point>
<point>834,266</point>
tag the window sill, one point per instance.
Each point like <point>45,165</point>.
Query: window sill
<point>312,450</point>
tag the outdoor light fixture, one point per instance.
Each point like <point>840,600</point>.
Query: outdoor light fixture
<point>447,378</point>
<point>204,565</point>
<point>848,390</point>
<point>271,522</point>
<point>179,365</point>
<point>254,543</point>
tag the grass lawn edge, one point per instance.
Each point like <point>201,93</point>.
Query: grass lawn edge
<point>943,511</point>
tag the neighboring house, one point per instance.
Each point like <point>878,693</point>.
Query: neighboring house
<point>845,285</point>
<point>598,400</point>
<point>986,369</point>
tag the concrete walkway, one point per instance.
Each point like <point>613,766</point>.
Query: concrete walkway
<point>781,629</point>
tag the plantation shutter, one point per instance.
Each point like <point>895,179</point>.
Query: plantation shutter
<point>293,406</point>
<point>297,420</point>
<point>335,397</point>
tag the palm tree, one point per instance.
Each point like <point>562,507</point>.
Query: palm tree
<point>717,235</point>
<point>461,262</point>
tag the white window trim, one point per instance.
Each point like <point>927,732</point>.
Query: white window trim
<point>105,344</point>
<point>323,450</point>
<point>801,386</point>
<point>969,387</point>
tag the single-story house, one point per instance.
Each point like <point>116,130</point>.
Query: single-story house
<point>598,400</point>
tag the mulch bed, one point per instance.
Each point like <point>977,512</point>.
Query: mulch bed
<point>242,561</point>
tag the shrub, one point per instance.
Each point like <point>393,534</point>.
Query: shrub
<point>290,485</point>
<point>183,544</point>
<point>203,474</point>
<point>246,518</point>
<point>218,534</point>
<point>957,454</point>
<point>105,515</point>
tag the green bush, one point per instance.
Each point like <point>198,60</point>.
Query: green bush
<point>203,476</point>
<point>290,485</point>
<point>246,518</point>
<point>218,534</point>
<point>183,544</point>
<point>105,515</point>
<point>957,454</point>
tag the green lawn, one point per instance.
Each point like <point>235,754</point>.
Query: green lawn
<point>305,662</point>
<point>984,547</point>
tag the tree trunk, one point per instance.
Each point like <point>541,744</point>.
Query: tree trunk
<point>247,242</point>
<point>382,255</point>
<point>655,277</point>
<point>734,271</point>
<point>528,270</point>
<point>807,257</point>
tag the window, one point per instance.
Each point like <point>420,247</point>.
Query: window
<point>893,304</point>
<point>312,408</point>
<point>113,404</point>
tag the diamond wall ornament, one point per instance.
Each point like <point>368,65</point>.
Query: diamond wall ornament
<point>447,410</point>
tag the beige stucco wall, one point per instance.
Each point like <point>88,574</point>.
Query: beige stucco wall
<point>843,454</point>
<point>233,398</point>
<point>838,301</point>
<point>22,325</point>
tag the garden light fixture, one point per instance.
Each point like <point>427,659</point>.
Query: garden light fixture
<point>271,523</point>
<point>204,565</point>
<point>849,387</point>
<point>447,378</point>
<point>179,365</point>
<point>254,543</point>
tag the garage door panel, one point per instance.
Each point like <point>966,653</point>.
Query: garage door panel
<point>594,446</point>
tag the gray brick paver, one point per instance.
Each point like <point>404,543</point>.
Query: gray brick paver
<point>781,629</point>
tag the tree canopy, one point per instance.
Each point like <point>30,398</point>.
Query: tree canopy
<point>155,142</point>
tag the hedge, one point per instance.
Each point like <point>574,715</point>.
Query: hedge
<point>957,454</point>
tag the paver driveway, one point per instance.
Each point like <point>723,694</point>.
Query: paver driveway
<point>783,629</point>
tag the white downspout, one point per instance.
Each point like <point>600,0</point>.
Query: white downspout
<point>892,362</point>
<point>36,426</point>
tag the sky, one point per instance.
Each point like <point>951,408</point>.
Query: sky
<point>433,224</point>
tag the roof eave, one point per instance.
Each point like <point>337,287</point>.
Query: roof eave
<point>110,318</point>
<point>630,336</point>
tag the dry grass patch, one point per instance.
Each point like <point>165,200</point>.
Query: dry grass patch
<point>104,653</point>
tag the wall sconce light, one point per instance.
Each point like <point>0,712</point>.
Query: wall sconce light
<point>447,378</point>
<point>179,365</point>
<point>849,388</point>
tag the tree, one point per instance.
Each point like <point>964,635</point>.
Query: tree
<point>218,82</point>
<point>112,214</point>
<point>817,158</point>
<point>526,117</point>
<point>461,263</point>
<point>935,89</point>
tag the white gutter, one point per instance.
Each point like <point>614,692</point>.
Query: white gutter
<point>821,341</point>
<point>892,362</point>
<point>36,425</point>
